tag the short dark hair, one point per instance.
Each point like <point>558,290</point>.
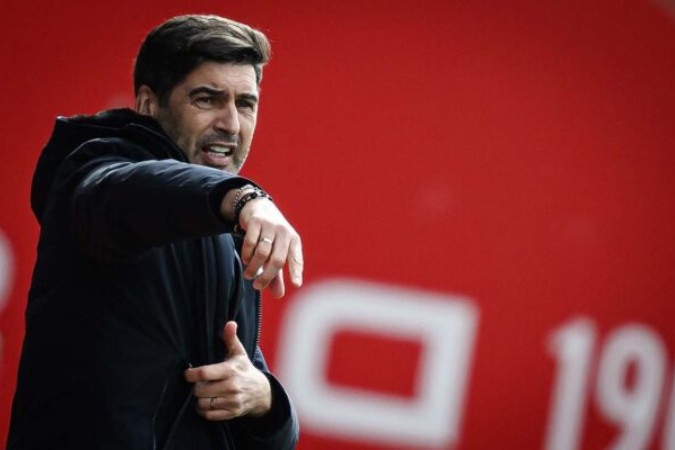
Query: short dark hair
<point>176,47</point>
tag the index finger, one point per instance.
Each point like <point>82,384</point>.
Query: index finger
<point>295,261</point>
<point>251,238</point>
<point>205,373</point>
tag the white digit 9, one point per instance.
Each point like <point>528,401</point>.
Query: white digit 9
<point>633,406</point>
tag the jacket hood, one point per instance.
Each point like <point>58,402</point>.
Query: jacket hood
<point>71,132</point>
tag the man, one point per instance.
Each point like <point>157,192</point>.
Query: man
<point>143,317</point>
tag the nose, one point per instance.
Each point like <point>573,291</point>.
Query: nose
<point>227,120</point>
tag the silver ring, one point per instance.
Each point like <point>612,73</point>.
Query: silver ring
<point>211,402</point>
<point>265,239</point>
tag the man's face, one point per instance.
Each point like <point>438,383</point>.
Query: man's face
<point>211,115</point>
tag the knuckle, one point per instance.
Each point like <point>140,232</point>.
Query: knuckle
<point>263,253</point>
<point>296,243</point>
<point>235,388</point>
<point>277,261</point>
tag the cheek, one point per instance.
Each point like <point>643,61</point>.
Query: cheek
<point>248,128</point>
<point>193,130</point>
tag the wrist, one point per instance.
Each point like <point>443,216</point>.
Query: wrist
<point>264,405</point>
<point>230,200</point>
<point>251,195</point>
<point>235,200</point>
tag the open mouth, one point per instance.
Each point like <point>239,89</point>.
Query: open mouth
<point>216,155</point>
<point>218,150</point>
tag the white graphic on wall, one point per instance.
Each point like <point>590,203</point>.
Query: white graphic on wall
<point>668,6</point>
<point>6,275</point>
<point>445,326</point>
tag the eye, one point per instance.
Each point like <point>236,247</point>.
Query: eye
<point>204,101</point>
<point>246,105</point>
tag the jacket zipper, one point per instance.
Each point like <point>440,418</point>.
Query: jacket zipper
<point>258,318</point>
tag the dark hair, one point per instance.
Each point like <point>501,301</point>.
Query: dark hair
<point>173,49</point>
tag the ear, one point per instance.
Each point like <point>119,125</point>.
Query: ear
<point>147,103</point>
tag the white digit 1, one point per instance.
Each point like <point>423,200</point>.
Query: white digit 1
<point>632,405</point>
<point>572,345</point>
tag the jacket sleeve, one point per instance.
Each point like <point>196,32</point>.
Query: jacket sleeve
<point>279,429</point>
<point>124,202</point>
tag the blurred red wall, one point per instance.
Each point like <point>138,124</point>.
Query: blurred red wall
<point>485,193</point>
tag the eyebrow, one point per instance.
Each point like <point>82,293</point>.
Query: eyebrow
<point>249,96</point>
<point>220,93</point>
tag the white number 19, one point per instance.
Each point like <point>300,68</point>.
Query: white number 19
<point>630,379</point>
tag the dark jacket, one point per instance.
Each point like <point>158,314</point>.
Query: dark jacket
<point>135,278</point>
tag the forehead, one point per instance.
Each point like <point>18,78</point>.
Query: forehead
<point>222,76</point>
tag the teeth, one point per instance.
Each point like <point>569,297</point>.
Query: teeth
<point>218,149</point>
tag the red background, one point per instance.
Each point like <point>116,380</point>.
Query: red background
<point>517,153</point>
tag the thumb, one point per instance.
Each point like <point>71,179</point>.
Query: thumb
<point>232,343</point>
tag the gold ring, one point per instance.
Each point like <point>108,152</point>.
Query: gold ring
<point>211,402</point>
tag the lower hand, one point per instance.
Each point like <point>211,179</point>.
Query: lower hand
<point>232,388</point>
